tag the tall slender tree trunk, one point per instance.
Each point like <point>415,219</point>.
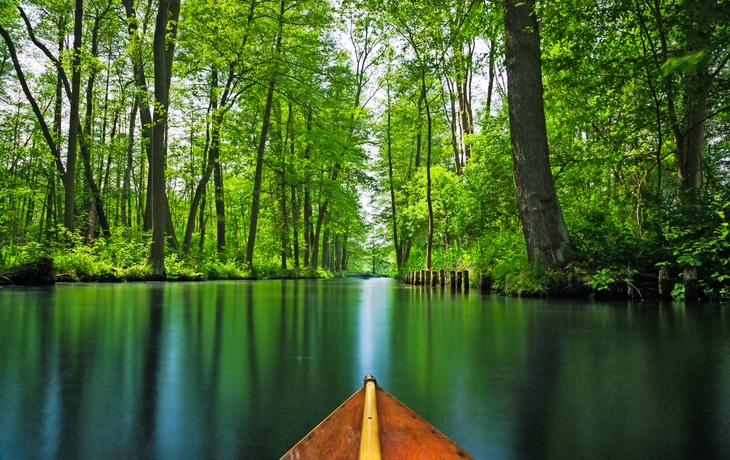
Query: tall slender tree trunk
<point>145,114</point>
<point>490,84</point>
<point>74,120</point>
<point>97,211</point>
<point>220,204</point>
<point>295,223</point>
<point>168,11</point>
<point>326,250</point>
<point>429,142</point>
<point>307,224</point>
<point>314,258</point>
<point>546,235</point>
<point>256,201</point>
<point>130,162</point>
<point>396,243</point>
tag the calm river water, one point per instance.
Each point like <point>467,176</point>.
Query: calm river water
<point>245,369</point>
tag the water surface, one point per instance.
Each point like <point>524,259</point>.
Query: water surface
<point>245,369</point>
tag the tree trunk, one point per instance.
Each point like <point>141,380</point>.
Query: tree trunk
<point>168,10</point>
<point>429,142</point>
<point>338,254</point>
<point>256,202</point>
<point>220,205</point>
<point>398,255</point>
<point>326,250</point>
<point>307,226</point>
<point>315,241</point>
<point>307,199</point>
<point>343,264</point>
<point>85,140</point>
<point>145,114</point>
<point>546,235</point>
<point>74,120</point>
<point>691,139</point>
<point>130,162</point>
<point>295,223</point>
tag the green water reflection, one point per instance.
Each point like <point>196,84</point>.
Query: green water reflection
<point>245,369</point>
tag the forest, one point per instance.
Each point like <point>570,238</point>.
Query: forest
<point>577,147</point>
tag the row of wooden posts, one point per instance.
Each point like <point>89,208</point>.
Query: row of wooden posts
<point>455,279</point>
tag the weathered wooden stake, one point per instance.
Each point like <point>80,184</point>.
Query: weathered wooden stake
<point>452,279</point>
<point>442,274</point>
<point>423,277</point>
<point>458,280</point>
<point>486,283</point>
<point>434,278</point>
<point>665,283</point>
<point>690,284</point>
<point>466,280</point>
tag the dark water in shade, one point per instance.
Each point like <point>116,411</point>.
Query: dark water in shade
<point>245,369</point>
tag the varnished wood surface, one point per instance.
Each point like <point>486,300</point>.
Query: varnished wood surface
<point>370,436</point>
<point>403,434</point>
<point>337,437</point>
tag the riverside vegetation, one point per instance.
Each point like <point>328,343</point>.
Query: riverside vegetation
<point>574,146</point>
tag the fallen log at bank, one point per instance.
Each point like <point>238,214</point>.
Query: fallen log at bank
<point>37,273</point>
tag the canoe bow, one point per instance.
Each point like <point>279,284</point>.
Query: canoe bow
<point>371,425</point>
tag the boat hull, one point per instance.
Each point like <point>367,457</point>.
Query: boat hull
<point>403,434</point>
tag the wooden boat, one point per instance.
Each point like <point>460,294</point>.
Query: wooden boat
<point>372,424</point>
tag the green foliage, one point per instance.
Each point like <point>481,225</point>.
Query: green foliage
<point>700,239</point>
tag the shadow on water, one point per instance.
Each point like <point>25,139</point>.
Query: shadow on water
<point>245,369</point>
<point>151,370</point>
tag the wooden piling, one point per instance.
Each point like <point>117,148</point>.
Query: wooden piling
<point>486,283</point>
<point>434,278</point>
<point>466,280</point>
<point>665,283</point>
<point>690,284</point>
<point>458,280</point>
<point>452,279</point>
<point>442,281</point>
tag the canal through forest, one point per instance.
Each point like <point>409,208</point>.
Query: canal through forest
<point>244,369</point>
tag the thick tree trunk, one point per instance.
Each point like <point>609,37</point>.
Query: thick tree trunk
<point>691,143</point>
<point>545,232</point>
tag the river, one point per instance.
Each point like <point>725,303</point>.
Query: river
<point>244,369</point>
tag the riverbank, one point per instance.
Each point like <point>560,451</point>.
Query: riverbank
<point>45,271</point>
